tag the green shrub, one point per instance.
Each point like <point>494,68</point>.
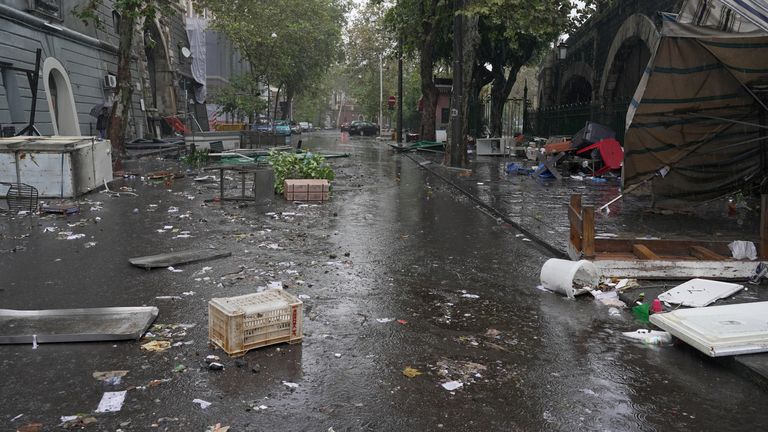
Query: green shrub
<point>197,158</point>
<point>298,166</point>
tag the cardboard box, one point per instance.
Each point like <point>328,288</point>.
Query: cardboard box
<point>307,190</point>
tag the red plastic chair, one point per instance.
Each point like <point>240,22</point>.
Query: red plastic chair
<point>611,153</point>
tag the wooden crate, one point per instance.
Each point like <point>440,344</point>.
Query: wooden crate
<point>242,323</point>
<point>307,190</point>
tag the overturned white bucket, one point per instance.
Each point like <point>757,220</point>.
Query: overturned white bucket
<point>570,278</point>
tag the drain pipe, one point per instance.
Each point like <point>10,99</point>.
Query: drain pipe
<point>553,251</point>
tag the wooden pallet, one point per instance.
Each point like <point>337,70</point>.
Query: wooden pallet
<point>656,258</point>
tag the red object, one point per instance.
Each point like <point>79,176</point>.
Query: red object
<point>611,153</point>
<point>656,306</point>
<point>391,101</point>
<point>177,125</point>
<point>403,322</point>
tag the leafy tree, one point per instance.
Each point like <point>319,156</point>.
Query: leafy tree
<point>420,27</point>
<point>288,43</point>
<point>514,32</point>
<point>133,13</point>
<point>240,98</point>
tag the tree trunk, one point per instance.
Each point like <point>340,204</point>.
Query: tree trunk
<point>500,90</point>
<point>277,101</point>
<point>429,91</point>
<point>121,109</point>
<point>287,115</point>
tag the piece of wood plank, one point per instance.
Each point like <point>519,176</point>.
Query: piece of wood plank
<point>661,247</point>
<point>674,270</point>
<point>705,254</point>
<point>176,258</point>
<point>641,251</point>
<point>588,231</point>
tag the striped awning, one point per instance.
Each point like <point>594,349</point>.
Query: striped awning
<point>733,16</point>
<point>693,127</point>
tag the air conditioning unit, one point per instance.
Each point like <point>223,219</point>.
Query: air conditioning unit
<point>110,81</point>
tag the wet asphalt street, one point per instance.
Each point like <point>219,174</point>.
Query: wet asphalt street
<point>394,243</point>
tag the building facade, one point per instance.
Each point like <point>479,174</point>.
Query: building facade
<point>78,69</point>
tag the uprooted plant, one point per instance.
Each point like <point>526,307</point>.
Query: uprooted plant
<point>298,166</point>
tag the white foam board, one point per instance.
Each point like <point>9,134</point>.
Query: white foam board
<point>699,292</point>
<point>720,330</point>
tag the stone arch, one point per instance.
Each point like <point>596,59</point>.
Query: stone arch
<point>637,26</point>
<point>576,84</point>
<point>61,101</point>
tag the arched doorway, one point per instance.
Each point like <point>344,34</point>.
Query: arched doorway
<point>161,99</point>
<point>577,90</point>
<point>629,63</point>
<point>61,101</point>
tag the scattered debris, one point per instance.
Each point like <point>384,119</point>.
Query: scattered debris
<point>452,385</point>
<point>290,385</point>
<point>156,346</point>
<point>741,249</point>
<point>110,377</point>
<point>411,372</point>
<point>203,404</point>
<point>650,337</point>
<point>111,402</point>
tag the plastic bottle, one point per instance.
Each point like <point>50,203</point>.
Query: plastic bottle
<point>656,306</point>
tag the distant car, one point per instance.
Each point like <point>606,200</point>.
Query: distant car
<point>282,128</point>
<point>262,124</point>
<point>363,128</point>
<point>304,126</point>
<point>295,128</point>
<point>344,127</point>
<point>311,127</point>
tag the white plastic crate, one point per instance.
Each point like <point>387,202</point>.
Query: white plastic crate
<point>242,323</point>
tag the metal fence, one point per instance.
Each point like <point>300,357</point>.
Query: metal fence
<point>569,119</point>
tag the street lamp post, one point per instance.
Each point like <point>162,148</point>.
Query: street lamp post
<point>381,95</point>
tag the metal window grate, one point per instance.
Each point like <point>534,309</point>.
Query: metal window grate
<point>21,197</point>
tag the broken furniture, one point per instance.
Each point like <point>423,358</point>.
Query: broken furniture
<point>719,330</point>
<point>555,149</point>
<point>176,258</point>
<point>20,197</point>
<point>74,325</point>
<point>242,323</point>
<point>655,258</point>
<point>263,180</point>
<point>58,167</point>
<point>611,154</point>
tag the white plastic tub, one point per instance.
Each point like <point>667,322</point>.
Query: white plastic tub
<point>570,278</point>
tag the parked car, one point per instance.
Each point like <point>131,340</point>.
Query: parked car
<point>304,126</point>
<point>282,128</point>
<point>262,124</point>
<point>295,128</point>
<point>363,128</point>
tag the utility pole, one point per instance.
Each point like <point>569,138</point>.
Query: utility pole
<point>381,95</point>
<point>457,97</point>
<point>400,92</point>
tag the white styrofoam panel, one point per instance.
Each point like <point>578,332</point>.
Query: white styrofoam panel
<point>720,330</point>
<point>699,292</point>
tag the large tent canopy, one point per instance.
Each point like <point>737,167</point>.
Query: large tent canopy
<point>697,124</point>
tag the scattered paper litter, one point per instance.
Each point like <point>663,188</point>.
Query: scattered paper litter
<point>173,209</point>
<point>290,384</point>
<point>275,285</point>
<point>203,404</point>
<point>452,385</point>
<point>111,402</point>
<point>174,270</point>
<point>384,320</point>
<point>303,297</point>
<point>471,296</point>
<point>75,236</point>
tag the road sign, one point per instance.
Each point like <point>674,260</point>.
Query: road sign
<point>391,101</point>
